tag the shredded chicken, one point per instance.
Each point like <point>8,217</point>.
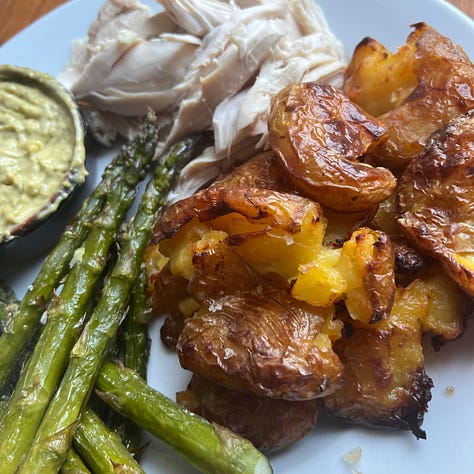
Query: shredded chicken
<point>201,64</point>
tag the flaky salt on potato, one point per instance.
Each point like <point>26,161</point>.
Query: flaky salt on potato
<point>435,200</point>
<point>269,423</point>
<point>320,137</point>
<point>413,92</point>
<point>385,381</point>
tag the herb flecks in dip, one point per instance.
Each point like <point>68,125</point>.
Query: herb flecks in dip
<point>41,148</point>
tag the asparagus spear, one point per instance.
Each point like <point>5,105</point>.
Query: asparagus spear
<point>209,447</point>
<point>46,364</point>
<point>136,350</point>
<point>101,448</point>
<point>73,464</point>
<point>8,310</point>
<point>21,328</point>
<point>52,440</point>
<point>8,304</point>
<point>135,333</point>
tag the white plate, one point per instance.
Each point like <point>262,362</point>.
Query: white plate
<point>449,423</point>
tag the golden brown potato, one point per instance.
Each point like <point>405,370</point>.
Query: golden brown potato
<point>261,171</point>
<point>166,291</point>
<point>269,423</point>
<point>257,207</point>
<point>367,265</point>
<point>435,199</point>
<point>378,80</point>
<point>319,136</point>
<point>448,307</point>
<point>226,195</point>
<point>266,344</point>
<point>340,225</point>
<point>408,260</point>
<point>260,224</point>
<point>275,233</point>
<point>385,382</point>
<point>291,233</point>
<point>219,270</point>
<point>319,282</point>
<point>251,336</point>
<point>412,110</point>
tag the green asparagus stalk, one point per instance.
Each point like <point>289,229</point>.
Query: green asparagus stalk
<point>135,333</point>
<point>8,304</point>
<point>8,309</point>
<point>209,447</point>
<point>41,375</point>
<point>20,329</point>
<point>136,351</point>
<point>101,448</point>
<point>52,439</point>
<point>74,464</point>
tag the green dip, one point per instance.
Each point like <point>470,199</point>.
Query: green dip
<point>41,148</point>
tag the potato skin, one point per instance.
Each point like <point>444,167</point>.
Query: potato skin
<point>385,382</point>
<point>260,206</point>
<point>435,199</point>
<point>268,345</point>
<point>270,424</point>
<point>318,136</point>
<point>166,291</point>
<point>219,270</point>
<point>261,171</point>
<point>250,335</point>
<point>444,88</point>
<point>230,193</point>
<point>408,259</point>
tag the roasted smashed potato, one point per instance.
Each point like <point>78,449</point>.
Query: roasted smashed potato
<point>385,382</point>
<point>413,92</point>
<point>264,344</point>
<point>448,306</point>
<point>319,137</point>
<point>257,223</point>
<point>249,335</point>
<point>378,80</point>
<point>435,200</point>
<point>269,423</point>
<point>306,278</point>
